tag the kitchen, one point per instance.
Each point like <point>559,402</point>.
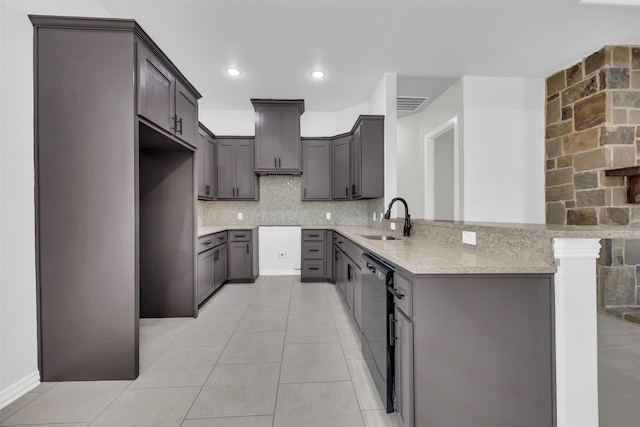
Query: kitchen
<point>473,206</point>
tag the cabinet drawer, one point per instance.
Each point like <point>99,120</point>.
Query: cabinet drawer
<point>312,250</point>
<point>311,235</point>
<point>312,269</point>
<point>240,235</point>
<point>205,242</point>
<point>220,238</point>
<point>405,287</point>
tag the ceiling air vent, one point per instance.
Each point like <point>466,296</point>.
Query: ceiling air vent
<point>410,104</point>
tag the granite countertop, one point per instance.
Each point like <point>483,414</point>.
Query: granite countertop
<point>421,256</point>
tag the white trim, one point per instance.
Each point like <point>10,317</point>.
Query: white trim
<point>19,388</point>
<point>429,158</point>
<point>576,332</point>
<point>279,272</point>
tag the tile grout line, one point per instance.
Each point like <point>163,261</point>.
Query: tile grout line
<point>219,356</point>
<point>284,340</point>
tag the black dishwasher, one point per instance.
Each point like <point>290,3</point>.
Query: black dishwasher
<point>377,325</point>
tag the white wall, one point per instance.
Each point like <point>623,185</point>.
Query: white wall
<point>504,149</point>
<point>383,101</point>
<point>274,240</point>
<point>229,122</point>
<point>411,132</point>
<point>501,138</point>
<point>18,329</point>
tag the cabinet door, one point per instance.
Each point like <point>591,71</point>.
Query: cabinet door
<point>349,283</point>
<point>205,274</point>
<point>156,90</point>
<point>226,169</point>
<point>268,123</point>
<point>339,272</point>
<point>288,152</point>
<point>316,170</point>
<point>239,260</point>
<point>245,177</point>
<point>340,167</point>
<point>403,403</point>
<point>204,167</point>
<point>328,256</point>
<point>220,269</point>
<point>356,163</point>
<point>186,121</point>
<point>357,296</point>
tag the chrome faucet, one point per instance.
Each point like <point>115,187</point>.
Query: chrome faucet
<point>407,218</point>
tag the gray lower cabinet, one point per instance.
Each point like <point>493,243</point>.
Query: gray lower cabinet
<point>220,265</point>
<point>313,256</point>
<point>316,169</point>
<point>483,343</point>
<point>242,255</point>
<point>347,275</point>
<point>403,354</point>
<point>235,164</point>
<point>205,274</point>
<point>212,264</point>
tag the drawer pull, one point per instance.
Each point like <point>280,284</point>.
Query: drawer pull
<point>240,235</point>
<point>314,268</point>
<point>314,235</point>
<point>313,250</point>
<point>207,243</point>
<point>395,293</point>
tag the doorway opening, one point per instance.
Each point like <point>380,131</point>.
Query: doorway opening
<point>443,173</point>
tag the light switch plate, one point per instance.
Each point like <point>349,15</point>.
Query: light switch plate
<point>469,237</point>
<point>328,216</point>
<point>393,225</point>
<point>239,215</point>
<point>374,216</point>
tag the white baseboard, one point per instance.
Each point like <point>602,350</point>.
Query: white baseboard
<point>279,272</point>
<point>19,388</point>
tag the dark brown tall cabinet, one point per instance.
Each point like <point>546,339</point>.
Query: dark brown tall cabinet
<point>115,132</point>
<point>278,135</point>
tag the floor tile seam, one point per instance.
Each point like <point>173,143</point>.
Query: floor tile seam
<point>214,365</point>
<point>164,386</point>
<point>353,384</point>
<point>110,403</point>
<point>230,416</point>
<point>20,409</point>
<point>275,403</point>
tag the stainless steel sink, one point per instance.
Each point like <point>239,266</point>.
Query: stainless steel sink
<point>381,238</point>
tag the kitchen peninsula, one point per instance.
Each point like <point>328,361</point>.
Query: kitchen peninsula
<point>565,256</point>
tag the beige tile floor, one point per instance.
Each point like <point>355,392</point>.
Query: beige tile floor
<point>618,372</point>
<point>274,353</point>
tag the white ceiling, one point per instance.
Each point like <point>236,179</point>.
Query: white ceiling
<point>429,44</point>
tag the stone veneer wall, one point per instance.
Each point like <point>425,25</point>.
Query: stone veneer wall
<point>593,124</point>
<point>280,204</point>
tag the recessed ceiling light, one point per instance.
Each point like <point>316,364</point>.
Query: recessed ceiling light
<point>317,74</point>
<point>233,71</point>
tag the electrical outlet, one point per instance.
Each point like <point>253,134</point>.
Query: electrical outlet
<point>240,215</point>
<point>469,237</point>
<point>282,255</point>
<point>374,216</point>
<point>381,216</point>
<point>393,225</point>
<point>328,216</point>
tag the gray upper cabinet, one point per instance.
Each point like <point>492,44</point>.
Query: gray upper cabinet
<point>340,175</point>
<point>278,135</point>
<point>164,100</point>
<point>235,164</point>
<point>316,170</point>
<point>367,158</point>
<point>205,165</point>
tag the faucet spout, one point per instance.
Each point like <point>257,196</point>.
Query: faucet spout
<point>407,218</point>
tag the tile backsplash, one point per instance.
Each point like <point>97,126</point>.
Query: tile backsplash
<point>280,204</point>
